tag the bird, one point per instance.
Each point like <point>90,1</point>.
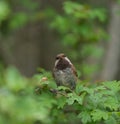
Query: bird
<point>64,72</point>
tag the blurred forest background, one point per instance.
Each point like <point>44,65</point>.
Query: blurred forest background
<point>33,32</point>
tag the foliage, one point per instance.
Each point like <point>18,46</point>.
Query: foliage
<point>4,10</point>
<point>38,100</point>
<point>80,29</point>
<point>12,17</point>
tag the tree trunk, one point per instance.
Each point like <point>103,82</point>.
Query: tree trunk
<point>111,60</point>
<point>32,46</point>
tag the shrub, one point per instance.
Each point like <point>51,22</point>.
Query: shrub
<point>38,100</point>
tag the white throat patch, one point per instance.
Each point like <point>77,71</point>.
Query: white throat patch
<point>56,62</point>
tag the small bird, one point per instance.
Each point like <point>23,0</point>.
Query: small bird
<point>64,72</point>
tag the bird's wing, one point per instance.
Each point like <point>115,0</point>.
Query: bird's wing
<point>74,71</point>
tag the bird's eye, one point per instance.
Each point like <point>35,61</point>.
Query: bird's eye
<point>57,58</point>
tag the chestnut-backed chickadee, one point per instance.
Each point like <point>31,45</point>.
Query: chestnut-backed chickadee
<point>64,72</point>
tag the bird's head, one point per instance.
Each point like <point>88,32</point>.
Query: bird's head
<point>62,62</point>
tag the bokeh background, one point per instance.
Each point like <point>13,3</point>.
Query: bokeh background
<point>32,33</point>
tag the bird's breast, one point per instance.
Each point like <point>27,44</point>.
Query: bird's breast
<point>64,77</point>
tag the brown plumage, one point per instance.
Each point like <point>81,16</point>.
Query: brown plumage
<point>64,72</point>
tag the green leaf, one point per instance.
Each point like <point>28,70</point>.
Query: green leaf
<point>112,85</point>
<point>112,103</point>
<point>100,88</point>
<point>111,120</point>
<point>61,102</point>
<point>98,115</point>
<point>18,20</point>
<point>4,10</point>
<point>63,88</point>
<point>85,117</point>
<point>70,7</point>
<point>79,87</point>
<point>14,80</point>
<point>100,14</point>
<point>72,97</point>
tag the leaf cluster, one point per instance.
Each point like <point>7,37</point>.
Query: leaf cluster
<point>38,100</point>
<point>12,18</point>
<point>79,23</point>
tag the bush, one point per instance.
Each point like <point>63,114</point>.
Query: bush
<point>37,100</point>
